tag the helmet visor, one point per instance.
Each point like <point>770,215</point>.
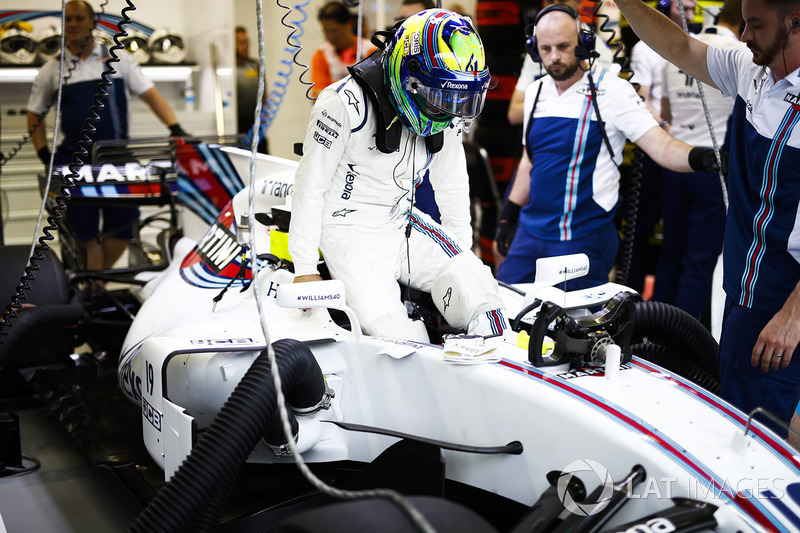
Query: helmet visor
<point>134,43</point>
<point>50,46</point>
<point>457,94</point>
<point>18,42</point>
<point>168,43</point>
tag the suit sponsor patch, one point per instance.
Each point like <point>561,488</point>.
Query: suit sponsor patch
<point>324,141</point>
<point>327,129</point>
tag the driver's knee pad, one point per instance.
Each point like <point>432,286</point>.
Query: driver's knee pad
<point>463,289</point>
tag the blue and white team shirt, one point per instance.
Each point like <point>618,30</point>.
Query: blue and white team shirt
<point>80,87</point>
<point>762,233</point>
<point>574,181</point>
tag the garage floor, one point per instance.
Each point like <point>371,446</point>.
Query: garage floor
<point>65,426</point>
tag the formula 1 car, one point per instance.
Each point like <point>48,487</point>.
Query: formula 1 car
<point>564,423</point>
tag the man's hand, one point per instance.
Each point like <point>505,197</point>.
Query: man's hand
<point>176,131</point>
<point>44,155</point>
<point>307,277</point>
<point>507,226</point>
<point>705,160</point>
<point>779,338</point>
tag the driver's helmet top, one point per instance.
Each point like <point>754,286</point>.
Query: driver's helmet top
<point>435,70</point>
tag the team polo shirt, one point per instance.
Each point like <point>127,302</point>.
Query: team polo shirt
<point>687,107</point>
<point>574,181</point>
<point>90,69</point>
<point>762,233</point>
<point>80,86</point>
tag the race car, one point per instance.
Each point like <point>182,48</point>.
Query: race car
<point>563,423</point>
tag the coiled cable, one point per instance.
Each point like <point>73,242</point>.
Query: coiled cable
<point>630,190</point>
<point>631,184</point>
<point>276,95</point>
<point>54,220</point>
<point>703,100</point>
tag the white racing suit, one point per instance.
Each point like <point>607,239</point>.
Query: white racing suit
<point>354,202</point>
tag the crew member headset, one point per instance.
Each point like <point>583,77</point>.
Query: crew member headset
<point>583,51</point>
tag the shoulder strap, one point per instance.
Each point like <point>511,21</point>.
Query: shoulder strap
<point>530,123</point>
<point>368,73</point>
<point>600,123</point>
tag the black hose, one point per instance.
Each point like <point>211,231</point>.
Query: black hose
<point>202,483</point>
<point>684,335</point>
<point>664,356</point>
<point>630,185</point>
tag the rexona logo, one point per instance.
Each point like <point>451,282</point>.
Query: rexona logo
<point>349,181</point>
<point>451,85</point>
<point>592,468</point>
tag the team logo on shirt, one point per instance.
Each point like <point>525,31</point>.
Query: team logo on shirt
<point>586,91</point>
<point>793,99</point>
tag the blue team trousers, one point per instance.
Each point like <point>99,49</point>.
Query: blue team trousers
<point>601,246</point>
<point>746,386</point>
<point>694,227</point>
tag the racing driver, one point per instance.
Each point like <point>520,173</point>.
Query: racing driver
<point>372,138</point>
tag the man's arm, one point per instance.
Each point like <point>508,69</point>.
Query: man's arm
<point>450,181</point>
<point>521,189</point>
<point>666,111</point>
<point>313,177</point>
<point>518,197</point>
<point>38,137</point>
<point>667,38</point>
<point>645,92</point>
<point>37,127</point>
<point>780,336</point>
<point>515,108</point>
<point>666,150</point>
<point>527,75</point>
<point>160,107</point>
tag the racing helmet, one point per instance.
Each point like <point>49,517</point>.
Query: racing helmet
<point>49,43</point>
<point>435,69</point>
<point>17,45</point>
<point>166,46</point>
<point>136,45</point>
<point>103,38</point>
